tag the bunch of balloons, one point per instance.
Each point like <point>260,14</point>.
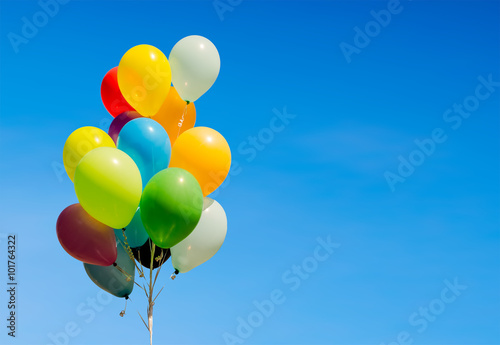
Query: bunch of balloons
<point>142,187</point>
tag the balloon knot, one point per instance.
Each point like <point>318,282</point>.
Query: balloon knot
<point>114,264</point>
<point>174,274</point>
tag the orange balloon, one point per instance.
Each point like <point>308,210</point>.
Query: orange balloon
<point>204,153</point>
<point>175,115</point>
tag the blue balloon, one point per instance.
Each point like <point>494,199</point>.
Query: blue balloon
<point>135,232</point>
<point>147,143</point>
<point>110,278</point>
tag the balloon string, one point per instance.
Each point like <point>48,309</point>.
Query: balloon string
<point>181,122</point>
<point>129,277</point>
<point>124,309</point>
<point>127,247</point>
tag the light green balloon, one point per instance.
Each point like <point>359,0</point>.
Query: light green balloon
<point>108,185</point>
<point>171,206</point>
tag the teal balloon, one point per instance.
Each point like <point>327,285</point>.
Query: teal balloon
<point>110,279</point>
<point>171,206</point>
<point>147,143</point>
<point>135,232</point>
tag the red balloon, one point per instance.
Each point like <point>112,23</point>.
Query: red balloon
<point>85,238</point>
<point>111,95</point>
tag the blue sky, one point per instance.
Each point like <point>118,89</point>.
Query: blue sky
<point>321,177</point>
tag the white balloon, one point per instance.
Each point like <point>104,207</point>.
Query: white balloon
<point>195,64</point>
<point>204,241</point>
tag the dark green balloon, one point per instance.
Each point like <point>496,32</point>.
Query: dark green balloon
<point>171,206</point>
<point>110,278</point>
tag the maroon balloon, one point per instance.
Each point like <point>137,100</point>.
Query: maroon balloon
<point>120,121</point>
<point>85,238</point>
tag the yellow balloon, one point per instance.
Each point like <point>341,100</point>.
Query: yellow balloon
<point>81,142</point>
<point>144,78</point>
<point>204,153</point>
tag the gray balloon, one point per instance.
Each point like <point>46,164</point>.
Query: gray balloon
<point>111,278</point>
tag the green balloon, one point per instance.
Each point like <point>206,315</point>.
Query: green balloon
<point>171,206</point>
<point>108,185</point>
